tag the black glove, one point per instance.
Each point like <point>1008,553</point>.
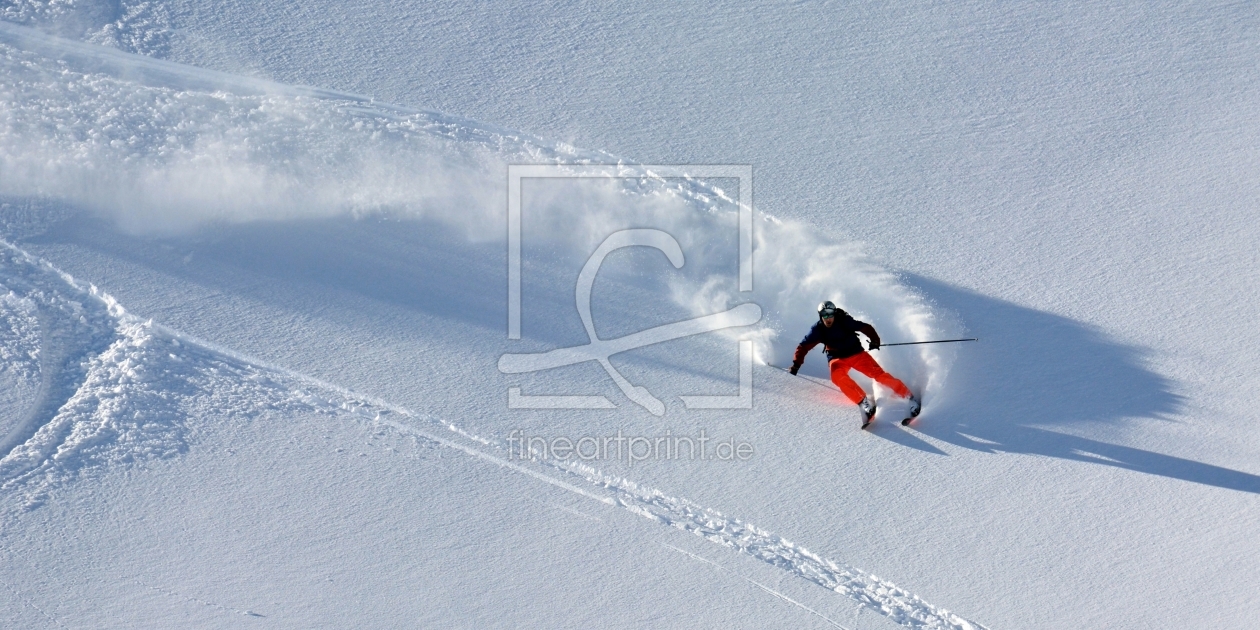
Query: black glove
<point>795,367</point>
<point>874,343</point>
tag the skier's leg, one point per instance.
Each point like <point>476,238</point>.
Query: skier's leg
<point>840,376</point>
<point>866,364</point>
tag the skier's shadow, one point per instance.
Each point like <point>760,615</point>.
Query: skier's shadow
<point>1033,370</point>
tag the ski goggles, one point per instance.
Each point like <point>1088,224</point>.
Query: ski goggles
<point>827,313</point>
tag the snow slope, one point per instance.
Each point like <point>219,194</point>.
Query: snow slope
<point>1069,174</point>
<point>132,400</point>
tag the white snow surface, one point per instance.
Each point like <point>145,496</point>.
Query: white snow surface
<point>254,290</point>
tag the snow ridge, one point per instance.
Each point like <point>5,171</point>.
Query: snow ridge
<point>136,26</point>
<point>114,389</point>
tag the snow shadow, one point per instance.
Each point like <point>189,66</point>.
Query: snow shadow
<point>412,264</point>
<point>1034,371</point>
<point>417,265</point>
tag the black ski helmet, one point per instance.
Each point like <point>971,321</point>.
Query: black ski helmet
<point>826,308</point>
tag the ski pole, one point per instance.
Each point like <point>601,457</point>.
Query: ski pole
<point>915,343</point>
<point>807,378</point>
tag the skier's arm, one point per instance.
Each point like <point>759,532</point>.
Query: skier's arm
<point>869,331</point>
<point>803,349</point>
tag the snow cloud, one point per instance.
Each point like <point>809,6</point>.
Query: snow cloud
<point>170,158</point>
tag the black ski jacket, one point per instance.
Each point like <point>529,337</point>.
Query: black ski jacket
<point>840,340</point>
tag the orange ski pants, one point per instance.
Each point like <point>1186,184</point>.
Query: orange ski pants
<point>863,362</point>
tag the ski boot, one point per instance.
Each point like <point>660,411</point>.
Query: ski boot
<point>915,407</point>
<point>868,411</point>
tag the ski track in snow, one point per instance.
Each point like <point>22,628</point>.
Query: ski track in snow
<point>136,386</point>
<point>120,389</point>
<point>758,585</point>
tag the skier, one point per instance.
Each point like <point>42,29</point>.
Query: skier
<point>837,331</point>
